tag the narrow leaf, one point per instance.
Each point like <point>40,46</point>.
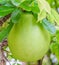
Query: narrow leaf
<point>5,10</point>
<point>17,2</point>
<point>15,16</point>
<point>5,32</point>
<point>49,26</point>
<point>26,6</point>
<point>43,4</point>
<point>55,15</point>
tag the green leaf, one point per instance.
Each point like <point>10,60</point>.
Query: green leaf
<point>43,4</point>
<point>17,2</point>
<point>5,10</point>
<point>30,6</point>
<point>30,1</point>
<point>55,49</point>
<point>51,18</point>
<point>34,7</point>
<point>25,6</point>
<point>41,15</point>
<point>55,15</point>
<point>57,36</point>
<point>9,4</point>
<point>3,1</point>
<point>49,26</point>
<point>15,16</point>
<point>6,3</point>
<point>5,32</point>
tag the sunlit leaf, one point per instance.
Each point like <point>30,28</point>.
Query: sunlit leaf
<point>55,15</point>
<point>41,15</point>
<point>49,26</point>
<point>44,5</point>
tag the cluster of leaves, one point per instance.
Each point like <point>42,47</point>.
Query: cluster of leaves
<point>15,7</point>
<point>55,45</point>
<point>40,8</point>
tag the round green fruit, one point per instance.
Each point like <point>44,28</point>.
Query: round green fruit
<point>28,40</point>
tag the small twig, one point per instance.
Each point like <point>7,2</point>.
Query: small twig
<point>4,43</point>
<point>3,59</point>
<point>2,20</point>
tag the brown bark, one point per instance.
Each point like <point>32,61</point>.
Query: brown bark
<point>2,56</point>
<point>2,61</point>
<point>2,20</point>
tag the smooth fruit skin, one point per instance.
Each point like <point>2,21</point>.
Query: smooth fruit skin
<point>28,41</point>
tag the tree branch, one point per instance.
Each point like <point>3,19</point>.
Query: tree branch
<point>2,20</point>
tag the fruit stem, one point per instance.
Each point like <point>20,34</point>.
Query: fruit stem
<point>39,62</point>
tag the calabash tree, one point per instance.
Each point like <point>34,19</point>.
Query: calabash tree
<point>28,27</point>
